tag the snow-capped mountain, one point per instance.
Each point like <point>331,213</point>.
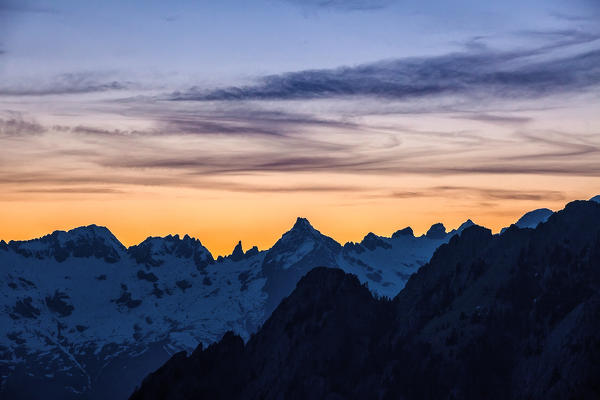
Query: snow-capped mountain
<point>78,305</point>
<point>532,219</point>
<point>81,310</point>
<point>519,308</point>
<point>84,316</point>
<point>385,264</point>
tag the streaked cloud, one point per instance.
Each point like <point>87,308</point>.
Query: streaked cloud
<point>16,125</point>
<point>482,193</point>
<point>65,84</point>
<point>486,74</point>
<point>344,5</point>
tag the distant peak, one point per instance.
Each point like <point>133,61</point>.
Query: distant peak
<point>372,241</point>
<point>533,218</point>
<point>93,229</point>
<point>91,232</point>
<point>302,224</point>
<point>251,252</point>
<point>437,231</point>
<point>468,223</point>
<point>403,232</point>
<point>238,252</point>
<point>596,199</point>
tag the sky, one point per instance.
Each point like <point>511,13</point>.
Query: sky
<point>227,120</point>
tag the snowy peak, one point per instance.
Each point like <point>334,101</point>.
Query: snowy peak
<point>86,241</point>
<point>302,225</point>
<point>303,232</point>
<point>533,218</point>
<point>299,250</point>
<point>154,250</point>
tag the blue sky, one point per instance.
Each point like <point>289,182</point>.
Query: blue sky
<point>212,42</point>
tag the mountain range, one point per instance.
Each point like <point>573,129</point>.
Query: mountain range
<point>86,317</point>
<point>510,316</point>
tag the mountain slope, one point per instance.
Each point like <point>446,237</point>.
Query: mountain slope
<point>297,252</point>
<point>77,320</point>
<point>85,317</point>
<point>80,310</point>
<point>508,316</point>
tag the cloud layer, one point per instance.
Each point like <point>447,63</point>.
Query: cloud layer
<point>479,73</point>
<point>65,84</point>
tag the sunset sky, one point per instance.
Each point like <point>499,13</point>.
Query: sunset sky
<point>227,119</point>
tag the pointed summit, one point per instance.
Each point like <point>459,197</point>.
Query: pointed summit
<point>437,231</point>
<point>238,252</point>
<point>596,199</point>
<point>302,224</point>
<point>467,224</point>
<point>302,231</point>
<point>299,250</point>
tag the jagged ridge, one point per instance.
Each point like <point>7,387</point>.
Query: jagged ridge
<point>497,317</point>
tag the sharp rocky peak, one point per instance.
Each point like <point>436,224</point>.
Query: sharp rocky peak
<point>302,224</point>
<point>403,232</point>
<point>437,231</point>
<point>467,224</point>
<point>153,249</point>
<point>301,230</point>
<point>238,252</point>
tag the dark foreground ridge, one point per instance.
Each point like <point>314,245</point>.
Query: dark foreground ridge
<point>512,316</point>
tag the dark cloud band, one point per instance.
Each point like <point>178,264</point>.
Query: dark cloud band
<point>479,74</point>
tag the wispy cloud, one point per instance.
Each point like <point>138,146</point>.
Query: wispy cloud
<point>495,118</point>
<point>23,6</point>
<point>479,74</point>
<point>72,190</point>
<point>65,84</point>
<point>483,193</point>
<point>287,125</point>
<point>343,5</point>
<point>16,125</point>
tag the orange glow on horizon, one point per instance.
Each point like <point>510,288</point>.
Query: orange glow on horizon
<point>219,219</point>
